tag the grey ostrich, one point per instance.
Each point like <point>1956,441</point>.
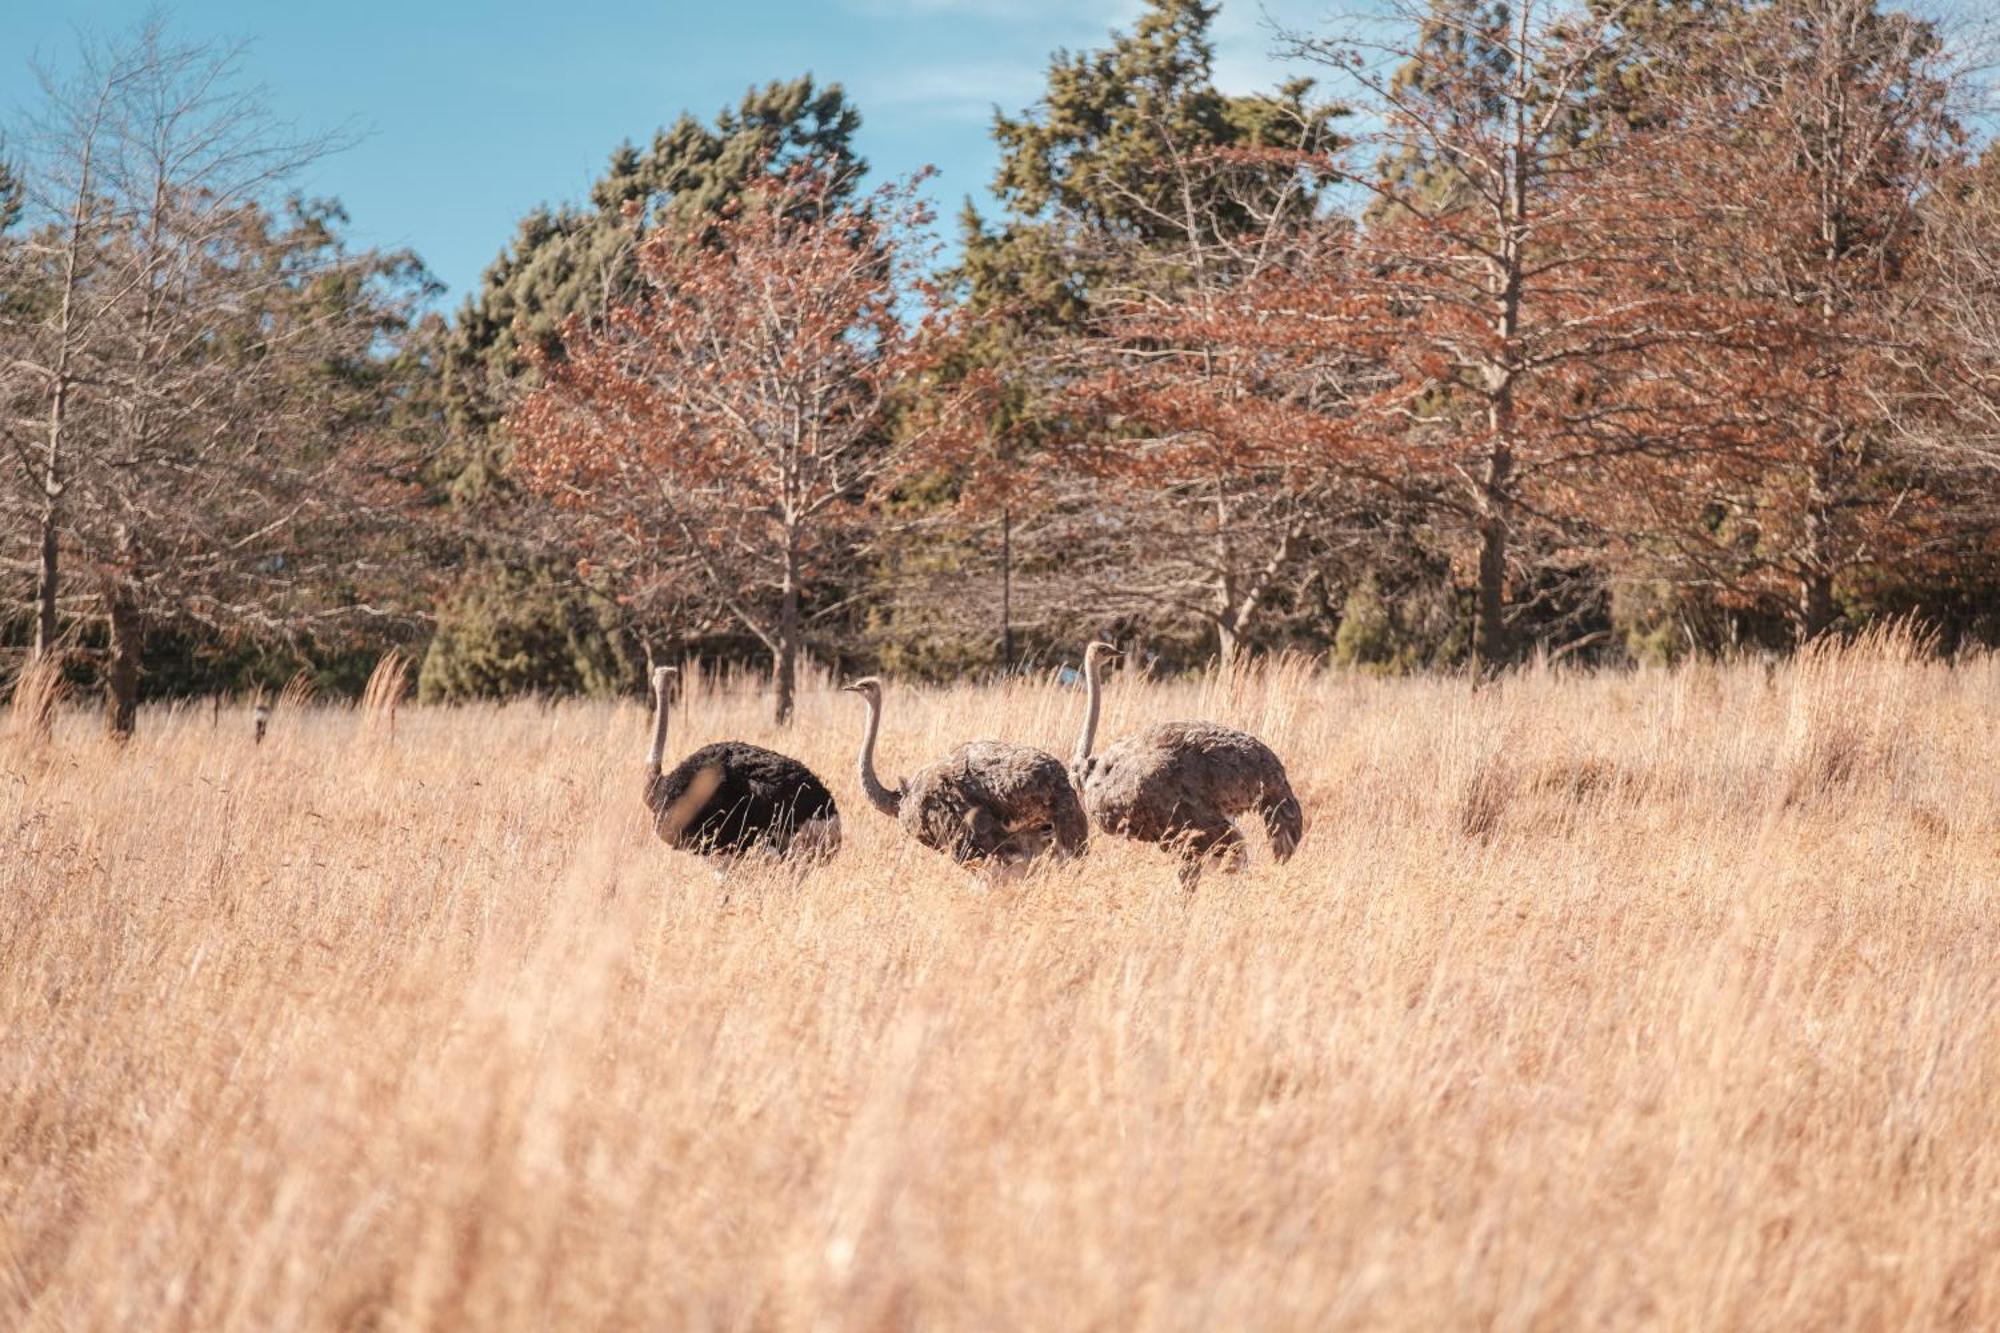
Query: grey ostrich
<point>988,805</point>
<point>730,798</point>
<point>1183,784</point>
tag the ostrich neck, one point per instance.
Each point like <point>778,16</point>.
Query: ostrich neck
<point>888,802</point>
<point>657,755</point>
<point>1089,736</point>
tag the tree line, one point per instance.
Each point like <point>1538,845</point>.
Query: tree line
<point>1607,330</point>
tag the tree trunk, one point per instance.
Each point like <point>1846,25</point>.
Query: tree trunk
<point>1239,613</point>
<point>1816,577</point>
<point>1815,604</point>
<point>1490,647</point>
<point>48,573</point>
<point>121,675</point>
<point>787,673</point>
<point>1228,642</point>
<point>46,585</point>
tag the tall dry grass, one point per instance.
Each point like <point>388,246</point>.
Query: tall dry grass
<point>38,691</point>
<point>1660,1001</point>
<point>387,684</point>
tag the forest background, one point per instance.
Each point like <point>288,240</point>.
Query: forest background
<point>1599,332</point>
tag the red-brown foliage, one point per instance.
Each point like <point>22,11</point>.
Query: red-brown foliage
<point>727,427</point>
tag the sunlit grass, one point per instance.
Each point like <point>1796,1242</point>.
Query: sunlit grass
<point>1665,1000</point>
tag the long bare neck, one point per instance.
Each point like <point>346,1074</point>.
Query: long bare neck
<point>888,802</point>
<point>657,755</point>
<point>1093,690</point>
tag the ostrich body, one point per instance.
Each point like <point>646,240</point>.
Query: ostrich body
<point>730,798</point>
<point>1182,785</point>
<point>986,804</point>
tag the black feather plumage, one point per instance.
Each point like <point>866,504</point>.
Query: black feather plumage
<point>732,797</point>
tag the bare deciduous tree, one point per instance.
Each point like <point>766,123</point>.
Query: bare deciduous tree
<point>1962,245</point>
<point>196,354</point>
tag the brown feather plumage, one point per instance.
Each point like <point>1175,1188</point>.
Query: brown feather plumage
<point>1183,784</point>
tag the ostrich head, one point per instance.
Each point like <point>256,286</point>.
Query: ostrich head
<point>1099,654</point>
<point>868,687</point>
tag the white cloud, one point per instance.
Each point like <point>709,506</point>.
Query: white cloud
<point>1016,40</point>
<point>965,91</point>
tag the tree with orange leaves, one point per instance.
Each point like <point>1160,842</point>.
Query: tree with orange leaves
<point>1189,490</point>
<point>729,425</point>
<point>1510,286</point>
<point>1493,332</point>
<point>1826,129</point>
<point>1118,191</point>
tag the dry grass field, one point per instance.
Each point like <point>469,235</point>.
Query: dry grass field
<point>1667,1000</point>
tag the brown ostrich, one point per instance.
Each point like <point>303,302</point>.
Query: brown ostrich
<point>989,805</point>
<point>1182,785</point>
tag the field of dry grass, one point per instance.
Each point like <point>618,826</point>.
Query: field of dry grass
<point>1667,1000</point>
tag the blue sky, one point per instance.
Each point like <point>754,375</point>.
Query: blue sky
<point>472,113</point>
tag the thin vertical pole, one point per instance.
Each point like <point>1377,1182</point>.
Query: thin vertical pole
<point>1007,590</point>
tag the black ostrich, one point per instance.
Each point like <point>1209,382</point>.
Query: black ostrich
<point>730,798</point>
